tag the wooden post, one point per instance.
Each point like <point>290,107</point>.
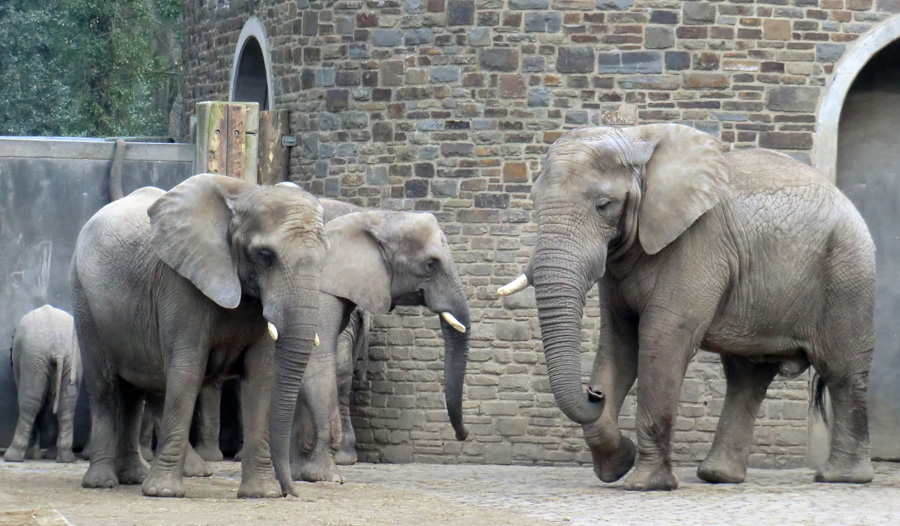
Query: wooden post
<point>274,157</point>
<point>227,139</point>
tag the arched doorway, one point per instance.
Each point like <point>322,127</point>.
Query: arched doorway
<point>251,73</point>
<point>860,150</point>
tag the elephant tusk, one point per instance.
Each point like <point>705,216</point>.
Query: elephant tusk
<point>453,322</point>
<point>516,285</point>
<point>316,341</point>
<point>273,332</point>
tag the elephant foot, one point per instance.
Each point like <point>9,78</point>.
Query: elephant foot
<point>209,452</point>
<point>259,487</point>
<point>14,455</point>
<point>239,455</point>
<point>346,456</point>
<point>163,485</point>
<point>34,453</point>
<point>51,452</point>
<point>146,453</point>
<point>612,467</point>
<point>860,472</point>
<point>132,471</point>
<point>65,456</point>
<point>721,468</point>
<point>100,475</point>
<point>653,477</point>
<point>319,469</point>
<point>194,466</point>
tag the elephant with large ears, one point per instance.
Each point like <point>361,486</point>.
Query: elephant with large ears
<point>749,254</point>
<point>47,370</point>
<point>377,259</point>
<point>174,290</point>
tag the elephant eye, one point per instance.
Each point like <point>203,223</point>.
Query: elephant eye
<point>264,257</point>
<point>602,205</point>
<point>430,266</point>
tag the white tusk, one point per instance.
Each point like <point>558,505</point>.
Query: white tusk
<point>273,332</point>
<point>453,322</point>
<point>316,341</point>
<point>516,285</point>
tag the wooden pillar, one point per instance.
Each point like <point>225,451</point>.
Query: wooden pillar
<point>274,156</point>
<point>227,139</point>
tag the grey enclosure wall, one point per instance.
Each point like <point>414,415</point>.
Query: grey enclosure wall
<point>48,189</point>
<point>868,171</point>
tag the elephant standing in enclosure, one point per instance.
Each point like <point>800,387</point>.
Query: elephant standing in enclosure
<point>377,259</point>
<point>750,254</point>
<point>175,289</point>
<point>47,371</point>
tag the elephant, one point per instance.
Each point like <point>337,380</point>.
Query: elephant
<point>377,259</point>
<point>749,254</point>
<point>174,290</point>
<point>47,372</point>
<point>151,424</point>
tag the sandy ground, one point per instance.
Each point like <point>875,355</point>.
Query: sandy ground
<point>420,494</point>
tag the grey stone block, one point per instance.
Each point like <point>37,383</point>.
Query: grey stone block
<point>460,12</point>
<point>698,13</point>
<point>325,77</point>
<point>413,7</point>
<point>575,60</point>
<point>445,189</point>
<point>444,74</point>
<point>512,331</point>
<point>829,52</point>
<point>659,37</point>
<point>533,64</point>
<point>528,5</point>
<point>539,97</point>
<point>479,36</point>
<point>416,37</point>
<point>329,121</point>
<point>376,175</point>
<point>500,59</point>
<point>387,37</point>
<point>615,5</point>
<point>543,22</point>
<point>792,98</point>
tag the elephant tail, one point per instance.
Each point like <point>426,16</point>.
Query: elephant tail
<point>819,396</point>
<point>57,384</point>
<point>361,345</point>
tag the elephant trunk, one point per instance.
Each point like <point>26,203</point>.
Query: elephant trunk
<point>559,288</point>
<point>296,339</point>
<point>456,354</point>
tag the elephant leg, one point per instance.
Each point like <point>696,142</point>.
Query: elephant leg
<point>257,472</point>
<point>320,390</point>
<point>346,455</point>
<point>183,379</point>
<point>615,366</point>
<point>747,383</point>
<point>130,465</point>
<point>32,389</point>
<point>208,415</point>
<point>194,465</point>
<point>65,416</point>
<point>148,425</point>
<point>47,430</point>
<point>666,344</point>
<point>303,433</point>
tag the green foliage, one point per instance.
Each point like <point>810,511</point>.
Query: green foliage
<point>87,67</point>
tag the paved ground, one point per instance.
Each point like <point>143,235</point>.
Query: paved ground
<point>417,494</point>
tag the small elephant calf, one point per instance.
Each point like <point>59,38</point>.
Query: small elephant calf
<point>46,369</point>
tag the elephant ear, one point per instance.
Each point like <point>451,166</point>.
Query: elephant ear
<point>189,232</point>
<point>355,265</point>
<point>685,176</point>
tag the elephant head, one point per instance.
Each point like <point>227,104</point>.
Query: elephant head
<point>604,196</point>
<point>241,243</point>
<point>379,259</point>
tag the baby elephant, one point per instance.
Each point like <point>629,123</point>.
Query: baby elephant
<point>46,368</point>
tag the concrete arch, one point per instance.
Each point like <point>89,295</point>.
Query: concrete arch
<point>846,69</point>
<point>247,73</point>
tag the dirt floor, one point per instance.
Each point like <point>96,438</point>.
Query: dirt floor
<point>50,491</point>
<point>45,493</point>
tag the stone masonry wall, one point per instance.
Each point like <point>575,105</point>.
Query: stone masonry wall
<point>447,106</point>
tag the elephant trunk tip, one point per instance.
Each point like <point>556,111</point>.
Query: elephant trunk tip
<point>462,433</point>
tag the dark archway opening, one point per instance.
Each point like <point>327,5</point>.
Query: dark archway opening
<point>250,84</point>
<point>868,171</point>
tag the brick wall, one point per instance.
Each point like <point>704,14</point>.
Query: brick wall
<point>448,106</point>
